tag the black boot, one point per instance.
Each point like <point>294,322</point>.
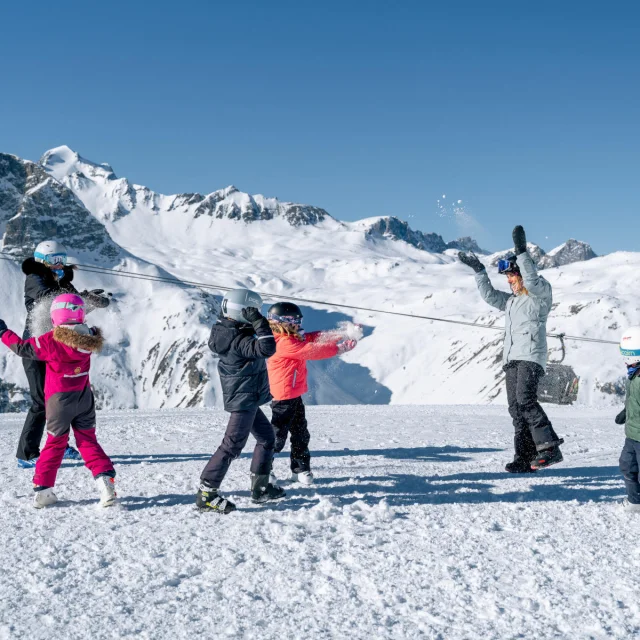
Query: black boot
<point>263,491</point>
<point>208,499</point>
<point>519,466</point>
<point>279,445</point>
<point>547,457</point>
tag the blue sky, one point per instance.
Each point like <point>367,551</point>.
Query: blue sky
<point>527,112</point>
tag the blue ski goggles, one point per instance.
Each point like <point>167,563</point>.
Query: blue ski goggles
<point>507,266</point>
<point>51,258</point>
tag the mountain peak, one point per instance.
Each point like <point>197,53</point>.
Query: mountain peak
<point>62,162</point>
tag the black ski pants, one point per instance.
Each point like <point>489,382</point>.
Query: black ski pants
<point>31,436</point>
<point>630,468</point>
<point>241,424</point>
<point>289,417</point>
<point>533,429</point>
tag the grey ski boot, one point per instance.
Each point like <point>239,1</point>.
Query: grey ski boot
<point>263,491</point>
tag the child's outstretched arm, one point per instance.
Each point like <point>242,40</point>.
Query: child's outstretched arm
<point>314,347</point>
<point>31,349</point>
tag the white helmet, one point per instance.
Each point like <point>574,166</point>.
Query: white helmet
<point>50,252</point>
<point>630,345</point>
<point>238,299</point>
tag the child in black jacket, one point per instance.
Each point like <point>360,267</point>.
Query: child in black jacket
<point>243,340</point>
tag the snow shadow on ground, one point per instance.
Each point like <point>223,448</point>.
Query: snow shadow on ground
<point>580,484</point>
<point>428,454</point>
<point>577,484</point>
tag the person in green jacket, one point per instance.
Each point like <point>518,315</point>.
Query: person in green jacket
<point>630,417</point>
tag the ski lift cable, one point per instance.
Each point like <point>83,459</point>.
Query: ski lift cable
<point>215,287</point>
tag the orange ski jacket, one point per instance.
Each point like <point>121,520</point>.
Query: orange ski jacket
<point>288,367</point>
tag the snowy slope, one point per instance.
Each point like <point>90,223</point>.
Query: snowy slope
<point>232,239</point>
<point>410,532</point>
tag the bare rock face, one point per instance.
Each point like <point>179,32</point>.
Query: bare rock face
<point>34,207</point>
<point>397,229</point>
<point>568,253</point>
<point>467,244</point>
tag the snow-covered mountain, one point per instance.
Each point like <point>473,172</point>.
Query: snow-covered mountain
<point>157,332</point>
<point>567,253</point>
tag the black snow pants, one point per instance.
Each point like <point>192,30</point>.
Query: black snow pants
<point>289,417</point>
<point>241,424</point>
<point>533,429</point>
<point>630,468</point>
<point>29,443</point>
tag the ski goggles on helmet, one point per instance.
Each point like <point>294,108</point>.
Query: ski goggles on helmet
<point>66,305</point>
<point>51,258</point>
<point>295,320</point>
<point>508,265</point>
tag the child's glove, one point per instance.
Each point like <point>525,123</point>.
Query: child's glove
<point>3,327</point>
<point>347,345</point>
<point>621,418</point>
<point>251,314</point>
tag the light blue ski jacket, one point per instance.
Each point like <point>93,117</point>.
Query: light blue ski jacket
<point>526,315</point>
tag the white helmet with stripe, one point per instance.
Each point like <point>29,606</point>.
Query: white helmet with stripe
<point>630,346</point>
<point>238,299</point>
<point>51,252</point>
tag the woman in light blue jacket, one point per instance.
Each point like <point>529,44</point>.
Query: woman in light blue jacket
<point>525,352</point>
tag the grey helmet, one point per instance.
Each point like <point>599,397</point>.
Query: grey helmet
<point>238,299</point>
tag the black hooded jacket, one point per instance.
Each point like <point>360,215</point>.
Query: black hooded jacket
<point>243,350</point>
<point>41,283</point>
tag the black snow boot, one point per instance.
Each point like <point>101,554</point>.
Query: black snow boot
<point>519,466</point>
<point>546,458</point>
<point>263,491</point>
<point>208,499</point>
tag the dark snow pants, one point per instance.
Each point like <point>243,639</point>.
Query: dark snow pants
<point>29,443</point>
<point>289,417</point>
<point>241,424</point>
<point>630,466</point>
<point>533,429</point>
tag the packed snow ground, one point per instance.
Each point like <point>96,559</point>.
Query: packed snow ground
<point>411,531</point>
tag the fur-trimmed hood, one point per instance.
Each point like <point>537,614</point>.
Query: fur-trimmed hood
<point>91,340</point>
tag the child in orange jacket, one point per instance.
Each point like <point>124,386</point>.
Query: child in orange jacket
<point>288,380</point>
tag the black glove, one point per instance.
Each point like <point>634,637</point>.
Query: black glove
<point>519,240</point>
<point>3,327</point>
<point>471,260</point>
<point>252,315</point>
<point>95,297</point>
<point>621,418</point>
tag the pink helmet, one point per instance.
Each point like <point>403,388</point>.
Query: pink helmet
<point>67,309</point>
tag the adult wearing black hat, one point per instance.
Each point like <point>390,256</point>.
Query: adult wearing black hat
<point>525,352</point>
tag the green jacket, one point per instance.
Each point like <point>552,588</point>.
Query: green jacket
<point>632,408</point>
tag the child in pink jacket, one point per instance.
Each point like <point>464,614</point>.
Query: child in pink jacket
<point>69,401</point>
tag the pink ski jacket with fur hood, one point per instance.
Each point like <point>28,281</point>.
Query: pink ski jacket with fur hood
<point>66,352</point>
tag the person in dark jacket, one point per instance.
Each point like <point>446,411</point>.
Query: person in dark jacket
<point>47,275</point>
<point>243,340</point>
<point>525,352</point>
